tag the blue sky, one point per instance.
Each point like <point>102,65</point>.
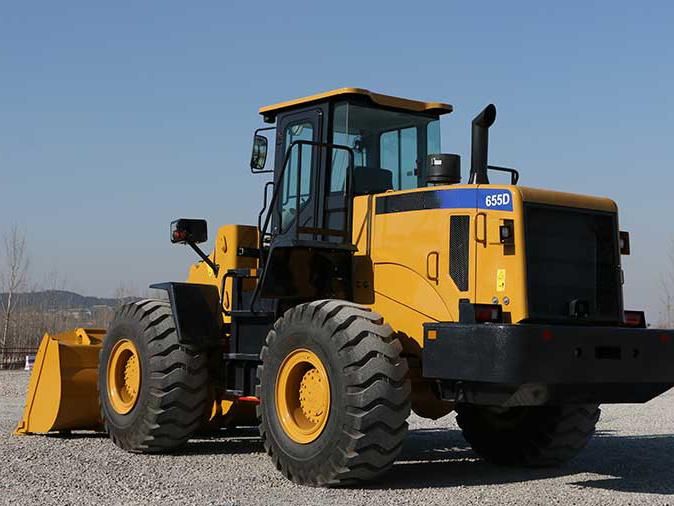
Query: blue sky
<point>117,117</point>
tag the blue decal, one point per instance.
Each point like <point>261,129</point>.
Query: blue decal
<point>469,198</point>
<point>455,198</point>
<point>461,198</point>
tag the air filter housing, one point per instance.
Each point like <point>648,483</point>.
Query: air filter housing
<point>443,169</point>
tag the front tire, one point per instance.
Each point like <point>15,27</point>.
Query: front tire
<point>153,390</point>
<point>544,436</point>
<point>334,394</point>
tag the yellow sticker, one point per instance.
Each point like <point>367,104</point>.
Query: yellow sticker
<point>500,280</point>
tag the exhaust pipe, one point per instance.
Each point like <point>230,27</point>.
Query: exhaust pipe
<point>480,145</point>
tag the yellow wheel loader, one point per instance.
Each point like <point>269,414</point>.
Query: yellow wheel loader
<point>373,284</point>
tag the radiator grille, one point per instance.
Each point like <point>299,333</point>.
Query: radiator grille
<point>572,255</point>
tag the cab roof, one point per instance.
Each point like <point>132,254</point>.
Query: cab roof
<point>269,112</point>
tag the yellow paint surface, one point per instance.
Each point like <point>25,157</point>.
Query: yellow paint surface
<point>377,98</point>
<point>402,263</point>
<point>228,240</point>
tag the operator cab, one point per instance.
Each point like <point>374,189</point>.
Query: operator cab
<point>330,148</point>
<point>381,141</point>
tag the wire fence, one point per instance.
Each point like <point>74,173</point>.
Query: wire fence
<point>16,358</point>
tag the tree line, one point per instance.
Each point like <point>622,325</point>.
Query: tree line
<point>22,321</point>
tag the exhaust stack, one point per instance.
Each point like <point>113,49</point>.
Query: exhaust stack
<point>480,145</point>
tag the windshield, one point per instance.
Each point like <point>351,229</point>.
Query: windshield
<point>397,142</point>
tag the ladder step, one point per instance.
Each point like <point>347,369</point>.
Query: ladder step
<point>241,356</point>
<point>244,313</point>
<point>244,273</point>
<point>248,252</point>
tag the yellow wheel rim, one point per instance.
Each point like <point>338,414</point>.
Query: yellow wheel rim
<point>123,376</point>
<point>302,396</point>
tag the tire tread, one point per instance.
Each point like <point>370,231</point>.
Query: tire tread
<point>178,377</point>
<point>377,394</point>
<point>554,435</point>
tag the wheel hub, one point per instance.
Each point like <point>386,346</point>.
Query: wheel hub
<point>130,376</point>
<point>124,376</point>
<point>303,396</point>
<point>313,395</point>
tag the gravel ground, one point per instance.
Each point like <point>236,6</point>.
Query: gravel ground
<point>630,461</point>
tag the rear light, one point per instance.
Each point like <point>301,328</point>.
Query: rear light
<point>635,319</point>
<point>178,236</point>
<point>488,313</point>
<point>506,232</point>
<point>480,313</point>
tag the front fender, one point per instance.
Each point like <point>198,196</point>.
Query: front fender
<point>196,312</point>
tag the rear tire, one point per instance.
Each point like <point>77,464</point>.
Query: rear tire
<point>543,436</point>
<point>172,396</point>
<point>368,394</point>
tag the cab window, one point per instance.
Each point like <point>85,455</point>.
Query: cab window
<point>398,150</point>
<point>392,144</point>
<point>299,159</point>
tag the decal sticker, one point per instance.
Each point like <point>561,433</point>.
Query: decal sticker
<point>500,200</point>
<point>500,280</point>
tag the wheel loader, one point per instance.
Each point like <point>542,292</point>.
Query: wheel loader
<point>374,283</point>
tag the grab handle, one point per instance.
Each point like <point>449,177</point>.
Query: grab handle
<point>433,266</point>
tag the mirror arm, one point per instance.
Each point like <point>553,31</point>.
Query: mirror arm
<point>215,267</point>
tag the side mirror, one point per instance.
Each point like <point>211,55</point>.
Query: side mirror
<point>184,231</point>
<point>258,158</point>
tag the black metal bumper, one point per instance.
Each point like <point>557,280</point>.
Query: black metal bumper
<point>518,365</point>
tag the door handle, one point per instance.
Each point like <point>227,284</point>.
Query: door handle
<point>433,266</point>
<point>481,228</point>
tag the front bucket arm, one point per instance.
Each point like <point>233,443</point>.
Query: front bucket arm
<point>63,392</point>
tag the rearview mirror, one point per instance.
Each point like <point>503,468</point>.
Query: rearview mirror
<point>258,158</point>
<point>184,231</point>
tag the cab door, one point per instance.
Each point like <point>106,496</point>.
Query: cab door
<point>297,171</point>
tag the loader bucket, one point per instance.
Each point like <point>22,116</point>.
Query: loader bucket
<point>63,391</point>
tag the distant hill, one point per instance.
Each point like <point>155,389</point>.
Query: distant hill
<point>61,299</point>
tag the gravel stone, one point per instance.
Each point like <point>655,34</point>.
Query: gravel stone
<point>629,461</point>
